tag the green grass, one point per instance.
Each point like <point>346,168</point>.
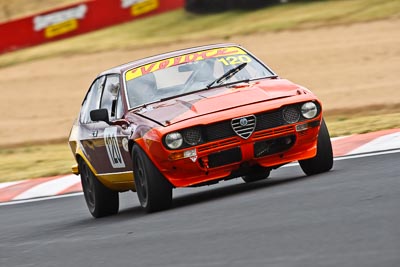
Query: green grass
<point>342,125</point>
<point>179,26</point>
<point>34,161</point>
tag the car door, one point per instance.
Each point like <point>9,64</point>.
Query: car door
<point>111,143</point>
<point>89,129</point>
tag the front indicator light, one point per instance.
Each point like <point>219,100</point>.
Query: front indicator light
<point>305,126</point>
<point>183,154</point>
<point>189,153</point>
<point>301,127</point>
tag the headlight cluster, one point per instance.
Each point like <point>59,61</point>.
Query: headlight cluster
<point>185,138</point>
<point>174,140</point>
<point>292,114</point>
<point>309,110</point>
<point>192,136</point>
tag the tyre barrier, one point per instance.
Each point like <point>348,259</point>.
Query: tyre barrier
<point>213,6</point>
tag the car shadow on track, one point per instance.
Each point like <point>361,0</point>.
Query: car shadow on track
<point>209,195</point>
<point>220,192</point>
<point>231,190</point>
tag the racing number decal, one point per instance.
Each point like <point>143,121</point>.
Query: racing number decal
<point>234,60</point>
<point>113,151</point>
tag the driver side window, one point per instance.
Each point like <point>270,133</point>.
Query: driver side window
<point>103,93</point>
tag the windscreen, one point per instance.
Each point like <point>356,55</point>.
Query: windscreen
<point>189,73</point>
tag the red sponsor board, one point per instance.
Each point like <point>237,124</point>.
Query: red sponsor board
<point>76,19</point>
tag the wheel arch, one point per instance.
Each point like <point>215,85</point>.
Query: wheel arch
<point>80,156</point>
<point>131,143</point>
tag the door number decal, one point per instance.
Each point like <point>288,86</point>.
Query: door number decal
<point>113,151</point>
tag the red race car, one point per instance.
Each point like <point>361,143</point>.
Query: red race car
<point>188,118</point>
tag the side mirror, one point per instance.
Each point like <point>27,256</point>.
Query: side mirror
<point>100,115</point>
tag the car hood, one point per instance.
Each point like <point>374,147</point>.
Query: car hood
<point>217,99</point>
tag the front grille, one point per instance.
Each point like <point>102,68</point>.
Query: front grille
<point>269,120</point>
<point>224,129</point>
<point>225,157</point>
<point>218,131</point>
<point>244,126</point>
<point>263,121</point>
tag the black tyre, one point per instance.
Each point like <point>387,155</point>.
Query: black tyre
<point>100,200</point>
<point>323,161</point>
<point>153,190</point>
<point>260,174</point>
<point>207,6</point>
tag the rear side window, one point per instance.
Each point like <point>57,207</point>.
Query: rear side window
<point>92,99</point>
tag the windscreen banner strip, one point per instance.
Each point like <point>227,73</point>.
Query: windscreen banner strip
<point>173,61</point>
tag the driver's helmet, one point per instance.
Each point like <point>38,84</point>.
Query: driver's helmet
<point>148,83</point>
<point>205,73</point>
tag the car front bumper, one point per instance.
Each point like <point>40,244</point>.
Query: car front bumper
<point>223,158</point>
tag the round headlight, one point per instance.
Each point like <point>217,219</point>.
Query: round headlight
<point>174,140</point>
<point>309,110</point>
<point>192,136</point>
<point>291,114</point>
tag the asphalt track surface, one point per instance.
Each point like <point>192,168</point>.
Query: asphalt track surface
<point>347,217</point>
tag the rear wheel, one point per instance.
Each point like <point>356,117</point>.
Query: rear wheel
<point>100,200</point>
<point>323,161</point>
<point>153,190</point>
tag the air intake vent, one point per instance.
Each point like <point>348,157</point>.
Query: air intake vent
<point>244,126</point>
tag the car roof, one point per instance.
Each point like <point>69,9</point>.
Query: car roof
<point>144,61</point>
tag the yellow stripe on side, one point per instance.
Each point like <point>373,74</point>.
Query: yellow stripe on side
<point>123,181</point>
<point>120,182</point>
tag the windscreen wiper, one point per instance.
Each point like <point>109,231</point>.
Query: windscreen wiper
<point>184,94</point>
<point>227,75</point>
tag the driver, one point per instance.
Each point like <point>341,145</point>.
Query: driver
<point>142,90</point>
<point>205,74</point>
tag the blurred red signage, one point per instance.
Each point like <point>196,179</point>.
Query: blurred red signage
<point>76,19</point>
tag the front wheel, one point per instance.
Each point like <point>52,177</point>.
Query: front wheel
<point>153,190</point>
<point>259,174</point>
<point>100,200</point>
<point>323,161</point>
